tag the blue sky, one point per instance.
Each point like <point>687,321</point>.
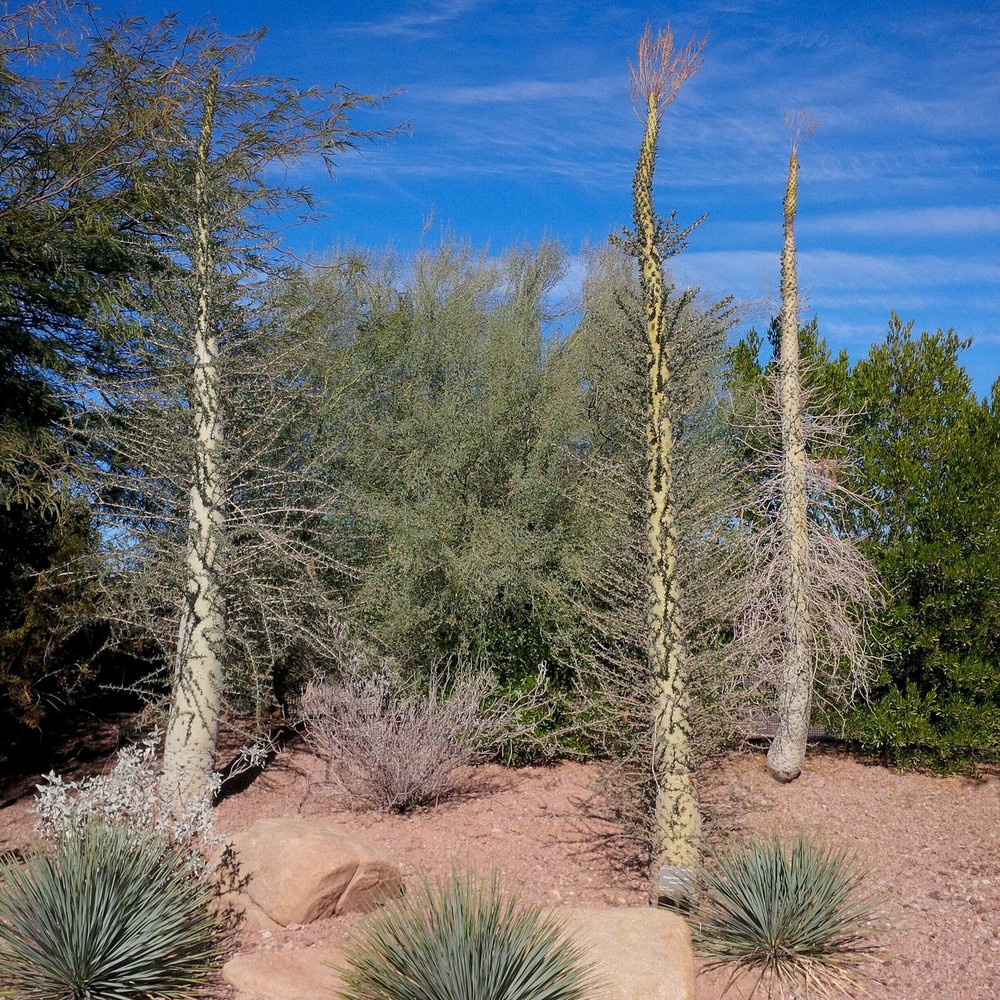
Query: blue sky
<point>523,128</point>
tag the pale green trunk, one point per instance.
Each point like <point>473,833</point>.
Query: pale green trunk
<point>677,816</point>
<point>193,723</point>
<point>788,750</point>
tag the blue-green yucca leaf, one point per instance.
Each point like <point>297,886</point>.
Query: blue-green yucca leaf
<point>459,940</point>
<point>798,918</point>
<point>111,915</point>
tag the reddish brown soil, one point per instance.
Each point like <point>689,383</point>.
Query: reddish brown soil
<point>932,844</point>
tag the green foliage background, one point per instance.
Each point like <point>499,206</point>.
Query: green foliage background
<point>923,453</point>
<point>928,454</point>
<point>479,443</point>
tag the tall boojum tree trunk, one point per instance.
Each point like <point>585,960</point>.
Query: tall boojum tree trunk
<point>788,749</point>
<point>677,817</point>
<point>193,723</point>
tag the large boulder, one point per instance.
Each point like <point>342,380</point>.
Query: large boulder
<point>301,870</point>
<point>285,975</point>
<point>638,954</point>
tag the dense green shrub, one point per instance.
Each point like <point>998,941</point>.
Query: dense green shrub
<point>798,917</point>
<point>112,914</point>
<point>928,454</point>
<point>459,940</point>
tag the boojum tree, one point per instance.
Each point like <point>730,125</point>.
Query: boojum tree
<point>608,630</point>
<point>803,617</point>
<point>787,750</point>
<point>208,484</point>
<point>214,498</point>
<point>193,724</point>
<point>657,77</point>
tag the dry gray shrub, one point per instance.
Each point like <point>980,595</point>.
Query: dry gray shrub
<point>393,745</point>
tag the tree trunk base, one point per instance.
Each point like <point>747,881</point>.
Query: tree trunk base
<point>783,776</point>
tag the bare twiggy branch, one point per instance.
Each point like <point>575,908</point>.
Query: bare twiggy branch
<point>840,589</point>
<point>799,127</point>
<point>660,70</point>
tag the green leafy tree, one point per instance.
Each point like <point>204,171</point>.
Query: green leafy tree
<point>68,214</point>
<point>922,450</point>
<point>928,452</point>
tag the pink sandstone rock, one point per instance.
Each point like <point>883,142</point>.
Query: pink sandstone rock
<point>302,870</point>
<point>638,954</point>
<point>285,975</point>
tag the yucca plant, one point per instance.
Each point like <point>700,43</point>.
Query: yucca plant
<point>111,914</point>
<point>799,917</point>
<point>461,940</point>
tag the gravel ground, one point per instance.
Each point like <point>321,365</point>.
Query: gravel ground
<point>932,845</point>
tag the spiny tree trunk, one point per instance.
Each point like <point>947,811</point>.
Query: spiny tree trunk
<point>677,817</point>
<point>193,724</point>
<point>795,684</point>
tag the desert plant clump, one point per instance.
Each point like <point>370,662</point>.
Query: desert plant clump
<point>394,745</point>
<point>107,915</point>
<point>128,797</point>
<point>463,940</point>
<point>798,917</point>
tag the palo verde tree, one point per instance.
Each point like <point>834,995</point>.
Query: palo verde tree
<point>656,79</point>
<point>452,420</point>
<point>204,467</point>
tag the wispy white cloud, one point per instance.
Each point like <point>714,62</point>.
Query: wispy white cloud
<point>525,90</point>
<point>929,221</point>
<point>837,269</point>
<point>839,280</point>
<point>420,24</point>
<point>745,272</point>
